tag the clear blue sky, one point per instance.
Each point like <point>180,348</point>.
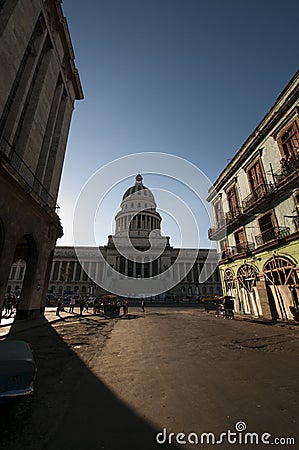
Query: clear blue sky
<point>192,78</point>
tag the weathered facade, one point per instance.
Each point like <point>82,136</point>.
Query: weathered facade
<point>39,85</point>
<point>256,215</point>
<point>130,269</point>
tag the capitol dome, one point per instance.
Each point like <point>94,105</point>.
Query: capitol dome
<point>138,187</point>
<point>138,215</point>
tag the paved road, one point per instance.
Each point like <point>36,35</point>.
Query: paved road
<point>184,371</point>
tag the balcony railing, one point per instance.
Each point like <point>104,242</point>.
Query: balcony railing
<point>272,234</point>
<point>233,214</point>
<point>239,249</point>
<point>218,229</point>
<point>8,153</point>
<point>296,222</point>
<point>260,191</point>
<point>287,169</point>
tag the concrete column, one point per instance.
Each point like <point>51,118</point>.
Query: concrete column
<point>97,272</point>
<point>264,300</point>
<point>44,154</point>
<point>59,270</point>
<point>19,90</point>
<point>60,132</point>
<point>142,269</point>
<point>67,268</point>
<point>23,130</point>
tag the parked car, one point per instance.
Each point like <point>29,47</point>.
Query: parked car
<point>17,369</point>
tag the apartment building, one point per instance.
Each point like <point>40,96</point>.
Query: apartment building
<point>255,203</point>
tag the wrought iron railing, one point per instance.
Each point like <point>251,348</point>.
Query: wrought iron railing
<point>235,250</point>
<point>233,214</point>
<point>272,234</point>
<point>219,228</point>
<point>296,222</point>
<point>259,192</point>
<point>8,153</point>
<point>287,168</point>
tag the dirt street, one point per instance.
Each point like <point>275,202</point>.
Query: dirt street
<point>115,383</point>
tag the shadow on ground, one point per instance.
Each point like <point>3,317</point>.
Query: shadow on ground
<point>71,407</point>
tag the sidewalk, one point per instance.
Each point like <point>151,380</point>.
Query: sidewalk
<point>8,325</point>
<point>292,324</point>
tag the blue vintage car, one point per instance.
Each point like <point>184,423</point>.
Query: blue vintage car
<point>17,369</point>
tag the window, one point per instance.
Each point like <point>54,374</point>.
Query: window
<point>247,276</point>
<point>229,281</point>
<point>266,224</point>
<point>240,239</point>
<point>233,203</point>
<point>280,271</point>
<point>288,141</point>
<point>219,215</point>
<point>13,273</point>
<point>224,248</point>
<point>255,176</point>
<point>21,273</point>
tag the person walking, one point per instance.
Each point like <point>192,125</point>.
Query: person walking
<point>143,305</point>
<point>7,305</point>
<point>82,306</point>
<point>125,307</point>
<point>59,306</point>
<point>72,304</point>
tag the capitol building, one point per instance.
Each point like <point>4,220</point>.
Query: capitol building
<point>137,261</point>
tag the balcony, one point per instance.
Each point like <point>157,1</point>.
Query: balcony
<point>272,234</point>
<point>233,214</point>
<point>18,167</point>
<point>288,170</point>
<point>217,232</point>
<point>260,192</point>
<point>239,249</point>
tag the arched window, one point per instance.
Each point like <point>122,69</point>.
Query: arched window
<point>229,280</point>
<point>280,271</point>
<point>247,275</point>
<point>283,287</point>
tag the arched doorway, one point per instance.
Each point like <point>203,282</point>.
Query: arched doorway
<point>24,263</point>
<point>247,276</point>
<point>16,277</point>
<point>230,288</point>
<point>283,286</point>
